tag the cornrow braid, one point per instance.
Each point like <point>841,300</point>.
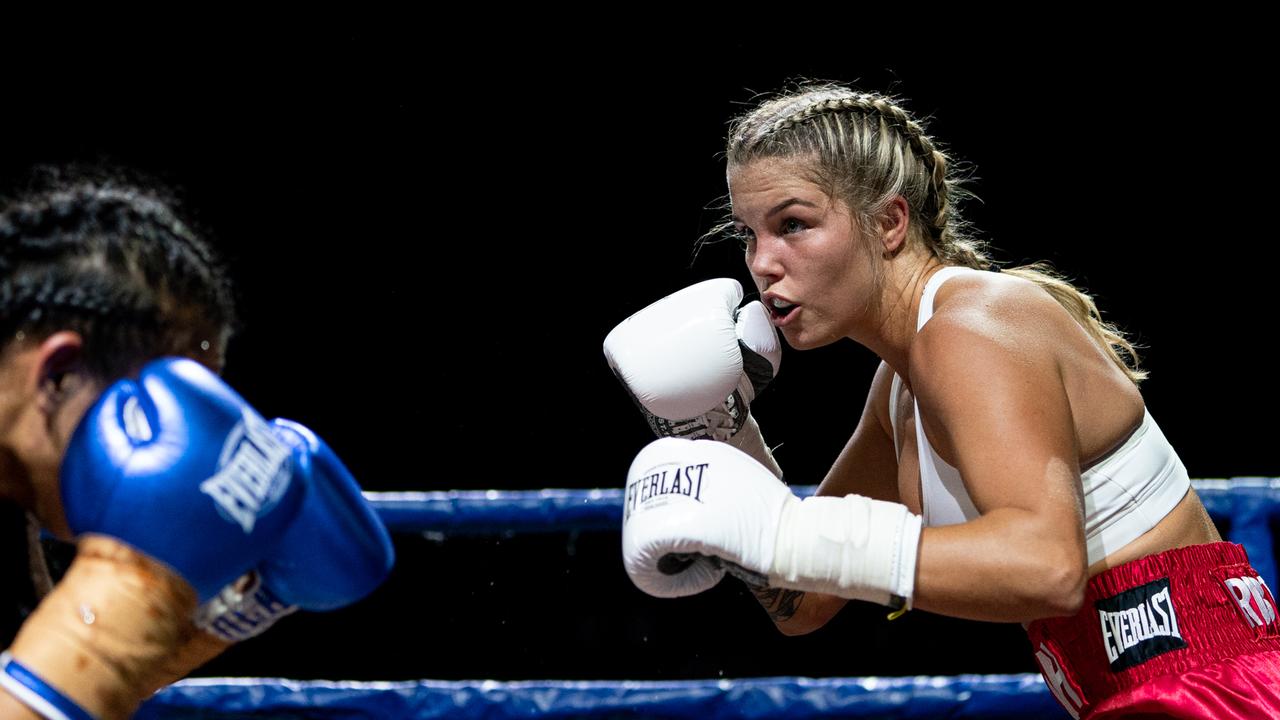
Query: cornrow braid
<point>114,262</point>
<point>891,114</point>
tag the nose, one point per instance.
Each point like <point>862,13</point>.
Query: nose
<point>764,262</point>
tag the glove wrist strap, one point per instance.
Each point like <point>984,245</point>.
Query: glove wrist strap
<point>242,610</point>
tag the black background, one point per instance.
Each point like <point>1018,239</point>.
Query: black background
<point>433,229</point>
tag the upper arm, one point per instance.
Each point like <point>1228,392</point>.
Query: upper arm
<point>993,404</point>
<point>868,465</point>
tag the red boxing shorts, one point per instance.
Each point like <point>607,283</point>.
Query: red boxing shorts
<point>1186,633</point>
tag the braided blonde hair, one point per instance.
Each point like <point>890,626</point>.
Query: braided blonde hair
<point>866,150</point>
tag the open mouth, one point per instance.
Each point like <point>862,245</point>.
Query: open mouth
<point>780,310</point>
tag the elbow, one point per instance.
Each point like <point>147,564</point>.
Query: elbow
<point>1063,586</point>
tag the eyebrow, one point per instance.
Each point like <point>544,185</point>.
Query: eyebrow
<point>779,208</point>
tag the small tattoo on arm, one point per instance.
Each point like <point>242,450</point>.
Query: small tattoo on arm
<point>780,603</point>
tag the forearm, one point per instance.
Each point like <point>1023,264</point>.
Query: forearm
<point>200,649</point>
<point>12,709</point>
<point>1001,567</point>
<point>750,440</point>
<point>796,612</point>
<point>113,619</point>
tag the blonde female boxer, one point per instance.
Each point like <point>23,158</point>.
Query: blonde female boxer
<point>1004,468</point>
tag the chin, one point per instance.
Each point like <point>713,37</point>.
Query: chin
<point>805,341</point>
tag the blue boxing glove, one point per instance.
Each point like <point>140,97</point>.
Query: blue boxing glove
<point>337,550</point>
<point>334,553</point>
<point>173,487</point>
<point>180,467</point>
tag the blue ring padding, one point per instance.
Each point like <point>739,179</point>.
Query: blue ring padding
<point>963,696</point>
<point>1251,505</point>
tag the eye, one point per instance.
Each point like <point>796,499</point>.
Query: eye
<point>745,238</point>
<point>792,225</point>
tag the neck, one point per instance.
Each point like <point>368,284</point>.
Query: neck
<point>29,464</point>
<point>14,484</point>
<point>891,330</point>
<point>15,481</point>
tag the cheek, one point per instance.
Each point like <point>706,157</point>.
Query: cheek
<point>68,415</point>
<point>858,264</point>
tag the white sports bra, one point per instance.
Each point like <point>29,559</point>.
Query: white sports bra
<point>1125,493</point>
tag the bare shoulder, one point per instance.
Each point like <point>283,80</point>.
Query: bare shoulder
<point>1001,307</point>
<point>990,356</point>
<point>985,318</point>
<point>990,320</point>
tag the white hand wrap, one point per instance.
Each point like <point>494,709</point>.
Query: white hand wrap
<point>850,546</point>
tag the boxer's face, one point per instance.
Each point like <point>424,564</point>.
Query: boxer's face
<point>802,247</point>
<point>45,390</point>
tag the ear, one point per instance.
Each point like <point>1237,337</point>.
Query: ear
<point>58,370</point>
<point>894,223</point>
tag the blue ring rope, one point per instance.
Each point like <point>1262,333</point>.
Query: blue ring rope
<point>963,696</point>
<point>1250,505</point>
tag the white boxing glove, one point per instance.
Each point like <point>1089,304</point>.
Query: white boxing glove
<point>695,510</point>
<point>693,362</point>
